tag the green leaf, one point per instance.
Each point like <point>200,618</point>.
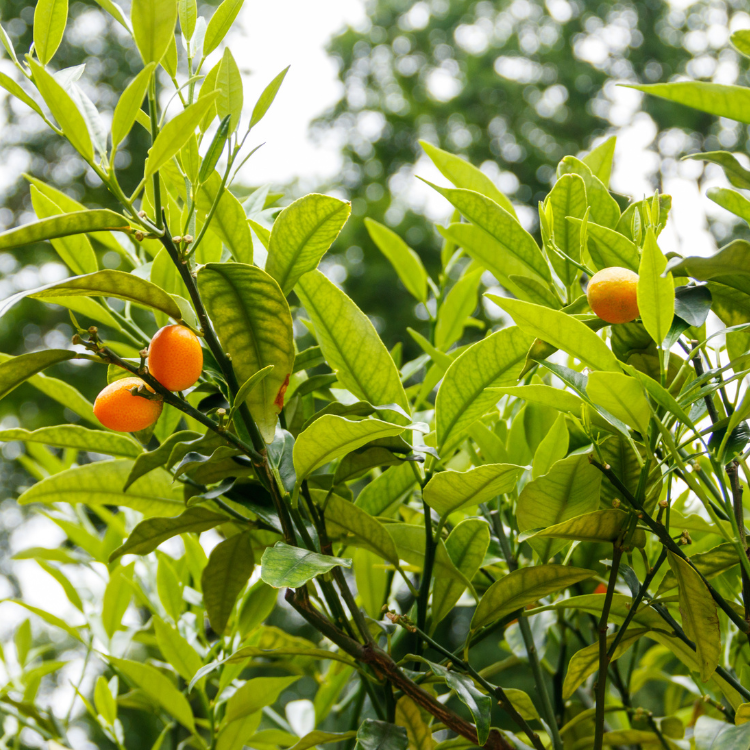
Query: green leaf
<point>716,99</point>
<point>318,737</point>
<point>386,489</point>
<point>350,343</point>
<point>147,462</point>
<point>176,650</point>
<point>501,226</point>
<point>302,234</point>
<point>552,448</point>
<point>464,175</point>
<point>561,331</point>
<point>215,149</point>
<point>254,325</point>
<point>153,27</point>
<point>544,395</point>
<point>229,568</point>
<point>104,701</point>
<point>711,734</point>
<point>229,86</point>
<point>169,588</point>
<point>70,590</point>
<point>188,13</point>
<point>266,98</point>
<point>463,398</point>
<point>50,17</point>
<point>459,303</point>
<point>115,11</point>
<point>599,159</point>
<point>522,587</point>
<point>283,566</point>
<point>256,608</point>
<point>78,438</point>
<point>404,260</point>
<point>159,689</point>
<point>450,491</point>
<point>599,526</point>
<point>98,484</point>
<point>129,105</point>
<point>655,291</point>
<point>176,133</point>
<point>15,90</point>
<point>17,370</point>
<point>220,23</point>
<point>608,247</point>
<point>737,175</point>
<point>372,581</point>
<point>728,266</point>
<point>51,619</point>
<point>622,396</point>
<point>710,564</point>
<point>603,207</point>
<point>235,734</point>
<point>700,618</point>
<point>569,489</point>
<point>208,87</point>
<point>731,200</point>
<point>149,534</point>
<point>567,198</point>
<point>586,661</point>
<point>380,735</point>
<point>244,391</point>
<point>116,599</point>
<point>467,545</point>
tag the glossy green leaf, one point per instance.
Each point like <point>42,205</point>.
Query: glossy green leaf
<point>599,526</point>
<point>570,488</point>
<point>70,590</point>
<point>544,395</point>
<point>603,207</point>
<point>256,607</point>
<point>254,325</point>
<point>386,489</point>
<point>700,617</point>
<point>169,588</point>
<point>608,247</point>
<point>158,688</point>
<point>450,491</point>
<point>467,545</point>
<point>302,234</point>
<point>115,11</point>
<point>188,14</point>
<point>153,27</point>
<point>229,568</point>
<point>501,226</point>
<point>710,564</point>
<point>215,149</point>
<point>116,600</point>
<point>567,198</point>
<point>15,90</point>
<point>522,587</point>
<point>728,266</point>
<point>495,361</point>
<point>553,448</point>
<point>731,200</point>
<point>129,105</point>
<point>560,330</point>
<point>78,438</point>
<point>176,650</point>
<point>737,175</point>
<point>104,701</point>
<point>622,396</point>
<point>458,305</point>
<point>372,581</point>
<point>99,483</point>
<point>655,292</point>
<point>175,134</point>
<point>711,734</point>
<point>50,17</point>
<point>350,343</point>
<point>229,86</point>
<point>49,618</point>
<point>265,100</point>
<point>235,734</point>
<point>599,159</point>
<point>586,661</point>
<point>732,102</point>
<point>17,370</point>
<point>318,737</point>
<point>220,23</point>
<point>380,735</point>
<point>406,263</point>
<point>464,175</point>
<point>284,566</point>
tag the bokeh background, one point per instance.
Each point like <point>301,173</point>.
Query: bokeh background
<point>513,85</point>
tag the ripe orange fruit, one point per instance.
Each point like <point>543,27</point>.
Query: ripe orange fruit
<point>613,295</point>
<point>175,357</point>
<point>600,589</point>
<point>118,409</point>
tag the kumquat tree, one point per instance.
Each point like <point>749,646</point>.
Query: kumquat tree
<point>572,481</point>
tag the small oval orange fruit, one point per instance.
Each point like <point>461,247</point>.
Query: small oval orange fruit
<point>613,294</point>
<point>118,409</point>
<point>175,357</point>
<point>600,589</point>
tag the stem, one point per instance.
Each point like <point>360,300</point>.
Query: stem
<point>154,133</point>
<point>429,561</point>
<point>604,659</point>
<point>732,470</point>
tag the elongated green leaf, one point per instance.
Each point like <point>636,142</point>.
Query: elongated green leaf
<point>599,526</point>
<point>728,266</point>
<point>254,324</point>
<point>229,86</point>
<point>737,175</point>
<point>386,489</point>
<point>467,545</point>
<point>344,519</point>
<point>158,687</point>
<point>522,587</point>
<point>622,396</point>
<point>215,149</point>
<point>256,607</point>
<point>175,134</point>
<point>562,331</point>
<point>552,448</point>
<point>732,102</point>
<point>500,225</point>
<point>608,247</point>
<point>116,599</point>
<point>302,234</point>
<point>78,438</point>
<point>176,650</point>
<point>247,387</point>
<point>153,27</point>
<point>350,342</point>
<point>449,491</point>
<point>99,483</point>
<point>712,563</point>
<point>129,105</point>
<point>603,207</point>
<point>372,581</point>
<point>49,618</point>
<point>731,200</point>
<point>70,590</point>
<point>17,370</point>
<point>15,90</point>
<point>460,302</point>
<point>265,100</point>
<point>284,566</point>
<point>586,661</point>
<point>63,109</point>
<point>188,14</point>
<point>50,17</point>
<point>711,734</point>
<point>380,735</point>
<point>229,568</point>
<point>567,198</point>
<point>544,395</point>
<point>599,160</point>
<point>318,737</point>
<point>570,488</point>
<point>462,398</point>
<point>465,175</point>
<point>700,617</point>
<point>655,292</point>
<point>220,23</point>
<point>149,534</point>
<point>404,260</point>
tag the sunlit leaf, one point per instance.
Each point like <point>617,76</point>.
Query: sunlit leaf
<point>284,566</point>
<point>153,27</point>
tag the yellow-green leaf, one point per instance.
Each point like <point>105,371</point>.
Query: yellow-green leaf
<point>622,396</point>
<point>220,23</point>
<point>598,526</point>
<point>129,105</point>
<point>153,27</point>
<point>655,292</point>
<point>50,17</point>
<point>229,86</point>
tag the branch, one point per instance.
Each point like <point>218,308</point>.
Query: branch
<point>732,470</point>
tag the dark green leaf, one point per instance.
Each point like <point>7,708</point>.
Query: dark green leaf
<point>17,370</point>
<point>380,735</point>
<point>214,150</point>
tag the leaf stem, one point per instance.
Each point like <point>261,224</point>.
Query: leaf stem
<point>154,117</point>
